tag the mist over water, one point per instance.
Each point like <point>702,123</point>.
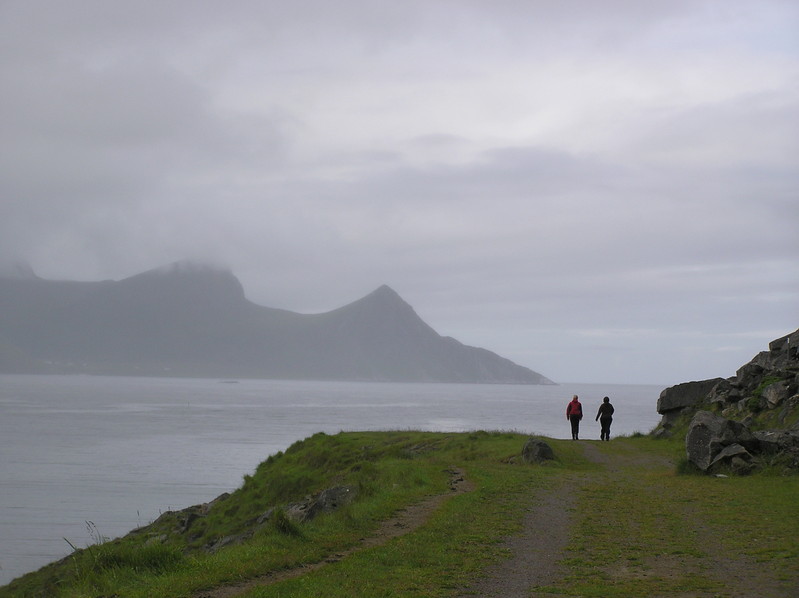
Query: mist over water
<point>119,451</point>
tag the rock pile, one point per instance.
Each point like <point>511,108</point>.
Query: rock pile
<point>714,443</point>
<point>763,394</point>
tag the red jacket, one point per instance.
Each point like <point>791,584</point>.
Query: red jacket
<point>574,408</point>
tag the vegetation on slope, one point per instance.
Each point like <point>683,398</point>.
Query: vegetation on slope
<point>639,527</point>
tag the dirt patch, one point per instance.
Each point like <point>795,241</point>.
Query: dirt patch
<point>405,521</point>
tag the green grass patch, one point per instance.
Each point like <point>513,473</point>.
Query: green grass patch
<point>640,528</point>
<point>643,529</point>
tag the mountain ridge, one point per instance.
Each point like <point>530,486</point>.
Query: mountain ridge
<point>193,319</point>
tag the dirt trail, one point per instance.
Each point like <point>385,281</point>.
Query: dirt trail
<point>404,522</point>
<point>536,550</point>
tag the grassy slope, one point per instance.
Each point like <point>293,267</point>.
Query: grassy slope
<point>640,529</point>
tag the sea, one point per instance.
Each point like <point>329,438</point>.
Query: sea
<point>84,458</point>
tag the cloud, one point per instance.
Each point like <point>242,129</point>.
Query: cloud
<point>579,188</point>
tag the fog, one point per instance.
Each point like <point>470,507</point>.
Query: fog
<point>600,192</point>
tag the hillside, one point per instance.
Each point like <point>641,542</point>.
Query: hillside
<point>420,514</point>
<point>194,320</point>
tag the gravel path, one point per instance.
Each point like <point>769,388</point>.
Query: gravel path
<point>536,551</point>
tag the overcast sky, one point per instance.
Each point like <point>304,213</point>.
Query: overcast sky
<point>600,191</point>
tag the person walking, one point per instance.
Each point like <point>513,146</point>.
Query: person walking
<point>605,417</point>
<point>574,413</point>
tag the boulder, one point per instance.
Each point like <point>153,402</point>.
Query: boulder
<point>709,434</point>
<point>750,375</point>
<point>722,393</point>
<point>776,393</point>
<point>537,451</point>
<point>735,457</point>
<point>686,394</point>
<point>788,344</point>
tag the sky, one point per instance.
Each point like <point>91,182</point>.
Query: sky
<point>604,192</point>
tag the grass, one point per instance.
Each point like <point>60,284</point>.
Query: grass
<point>640,527</point>
<point>650,531</point>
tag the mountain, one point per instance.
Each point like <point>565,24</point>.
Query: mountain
<point>194,320</point>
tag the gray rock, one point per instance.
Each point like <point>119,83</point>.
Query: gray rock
<point>685,395</point>
<point>734,456</point>
<point>776,441</point>
<point>788,344</point>
<point>326,501</point>
<point>226,541</point>
<point>709,434</point>
<point>537,451</point>
<point>722,392</point>
<point>775,394</point>
<point>749,376</point>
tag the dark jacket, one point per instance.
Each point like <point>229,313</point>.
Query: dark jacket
<point>605,410</point>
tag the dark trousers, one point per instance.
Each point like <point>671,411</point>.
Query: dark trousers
<point>575,422</point>
<point>605,423</point>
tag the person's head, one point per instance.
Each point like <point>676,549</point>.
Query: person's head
<point>574,398</point>
<point>606,399</point>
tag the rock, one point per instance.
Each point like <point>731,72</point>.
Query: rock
<point>537,451</point>
<point>749,375</point>
<point>326,501</point>
<point>775,394</point>
<point>665,427</point>
<point>734,456</point>
<point>777,441</point>
<point>709,434</point>
<point>789,344</point>
<point>723,393</point>
<point>226,541</point>
<point>685,395</point>
<point>265,516</point>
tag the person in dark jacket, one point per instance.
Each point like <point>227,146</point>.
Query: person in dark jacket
<point>574,413</point>
<point>605,417</point>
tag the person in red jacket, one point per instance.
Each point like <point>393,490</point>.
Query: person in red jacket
<point>574,413</point>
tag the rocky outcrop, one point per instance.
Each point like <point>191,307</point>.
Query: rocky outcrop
<point>763,393</point>
<point>674,400</point>
<point>742,423</point>
<point>326,501</point>
<point>183,522</point>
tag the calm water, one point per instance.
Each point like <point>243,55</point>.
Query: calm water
<point>119,451</point>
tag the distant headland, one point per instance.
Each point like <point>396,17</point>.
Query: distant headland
<point>189,319</point>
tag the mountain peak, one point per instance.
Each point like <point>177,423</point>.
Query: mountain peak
<point>198,280</point>
<point>385,292</point>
